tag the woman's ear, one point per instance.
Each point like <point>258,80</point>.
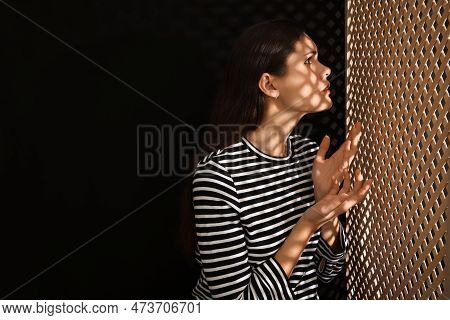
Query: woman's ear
<point>266,85</point>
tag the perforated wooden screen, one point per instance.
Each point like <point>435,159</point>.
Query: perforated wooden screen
<point>397,86</point>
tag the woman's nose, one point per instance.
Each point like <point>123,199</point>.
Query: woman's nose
<point>327,72</point>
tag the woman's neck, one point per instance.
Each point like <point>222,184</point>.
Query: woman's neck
<point>271,135</point>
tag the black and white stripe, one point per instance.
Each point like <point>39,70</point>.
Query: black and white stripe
<point>246,203</point>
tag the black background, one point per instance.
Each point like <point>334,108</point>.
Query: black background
<point>68,146</point>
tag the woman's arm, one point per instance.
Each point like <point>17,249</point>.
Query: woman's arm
<point>330,260</point>
<point>293,246</point>
<point>222,244</point>
<point>334,203</point>
<point>330,233</point>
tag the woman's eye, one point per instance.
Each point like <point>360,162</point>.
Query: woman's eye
<point>308,61</point>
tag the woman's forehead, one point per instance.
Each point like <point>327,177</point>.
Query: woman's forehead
<point>302,47</point>
<point>305,45</point>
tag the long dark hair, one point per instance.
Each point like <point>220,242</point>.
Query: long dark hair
<point>263,47</point>
<point>239,102</point>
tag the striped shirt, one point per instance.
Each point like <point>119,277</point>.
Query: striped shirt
<point>245,205</point>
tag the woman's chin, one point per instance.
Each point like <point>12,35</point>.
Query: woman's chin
<point>324,107</point>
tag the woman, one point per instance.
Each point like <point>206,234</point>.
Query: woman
<point>266,205</point>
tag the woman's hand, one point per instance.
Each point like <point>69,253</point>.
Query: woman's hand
<point>323,169</point>
<point>336,201</point>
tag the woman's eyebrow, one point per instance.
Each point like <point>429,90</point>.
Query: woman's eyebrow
<point>311,52</point>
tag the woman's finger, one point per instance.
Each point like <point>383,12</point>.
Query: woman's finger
<point>356,195</point>
<point>346,187</point>
<point>353,200</point>
<point>339,174</point>
<point>356,136</point>
<point>358,181</point>
<point>323,148</point>
<point>359,195</point>
<point>334,186</point>
<point>343,193</point>
<point>362,192</point>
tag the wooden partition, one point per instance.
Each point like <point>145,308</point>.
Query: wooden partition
<point>397,86</point>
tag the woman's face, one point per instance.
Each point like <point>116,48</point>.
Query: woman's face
<point>302,87</point>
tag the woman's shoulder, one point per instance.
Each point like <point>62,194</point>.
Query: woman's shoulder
<point>221,156</point>
<point>212,170</point>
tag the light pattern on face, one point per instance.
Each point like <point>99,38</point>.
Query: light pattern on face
<point>301,87</point>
